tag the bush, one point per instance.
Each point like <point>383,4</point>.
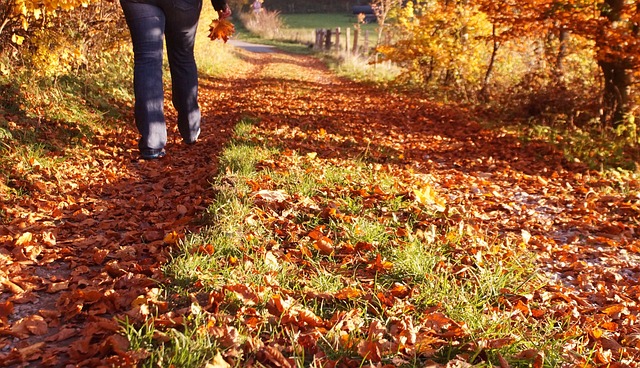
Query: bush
<point>266,24</point>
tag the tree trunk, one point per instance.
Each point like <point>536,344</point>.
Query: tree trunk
<point>484,92</point>
<point>615,96</point>
<point>563,38</point>
<point>616,73</point>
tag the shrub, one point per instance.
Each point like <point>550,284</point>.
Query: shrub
<point>266,24</point>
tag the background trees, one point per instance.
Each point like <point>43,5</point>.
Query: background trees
<point>566,56</point>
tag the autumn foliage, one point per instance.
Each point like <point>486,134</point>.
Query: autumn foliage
<point>473,47</point>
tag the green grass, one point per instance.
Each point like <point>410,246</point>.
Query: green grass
<point>311,22</point>
<point>301,28</point>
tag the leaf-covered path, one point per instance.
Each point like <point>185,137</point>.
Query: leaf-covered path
<point>94,233</point>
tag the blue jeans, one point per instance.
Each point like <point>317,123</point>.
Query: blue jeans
<point>151,21</point>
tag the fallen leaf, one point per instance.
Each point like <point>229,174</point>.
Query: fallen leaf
<point>324,245</point>
<point>218,362</point>
<point>24,239</point>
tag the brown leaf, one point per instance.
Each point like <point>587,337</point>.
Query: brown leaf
<point>63,334</point>
<point>182,209</point>
<point>324,245</point>
<point>118,343</point>
<point>32,352</point>
<point>276,358</point>
<point>244,293</point>
<point>33,324</point>
<point>370,350</point>
<point>58,286</point>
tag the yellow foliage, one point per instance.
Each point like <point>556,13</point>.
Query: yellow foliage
<point>436,38</point>
<point>54,56</point>
<point>30,10</point>
<point>426,195</point>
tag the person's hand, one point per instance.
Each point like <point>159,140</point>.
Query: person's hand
<point>224,13</point>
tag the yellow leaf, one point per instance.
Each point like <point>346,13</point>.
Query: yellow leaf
<point>24,239</point>
<point>427,196</point>
<point>18,40</point>
<point>171,238</point>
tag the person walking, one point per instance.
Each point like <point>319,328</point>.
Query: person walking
<point>152,23</point>
<point>257,6</point>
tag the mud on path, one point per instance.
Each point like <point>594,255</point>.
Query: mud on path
<point>79,252</point>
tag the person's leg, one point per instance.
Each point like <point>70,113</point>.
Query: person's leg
<point>146,23</point>
<point>182,22</point>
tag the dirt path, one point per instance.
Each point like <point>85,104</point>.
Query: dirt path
<point>77,255</point>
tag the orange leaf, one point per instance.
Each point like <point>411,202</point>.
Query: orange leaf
<point>6,308</point>
<point>348,293</point>
<point>221,29</point>
<point>308,317</point>
<point>207,249</point>
<point>399,290</point>
<point>613,309</point>
<point>380,265</point>
<point>315,234</point>
<point>171,238</point>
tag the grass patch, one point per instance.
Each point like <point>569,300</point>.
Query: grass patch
<point>599,148</point>
<point>305,255</point>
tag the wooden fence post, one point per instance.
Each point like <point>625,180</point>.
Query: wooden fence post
<point>319,37</point>
<point>356,32</point>
<point>366,41</point>
<point>338,39</point>
<point>346,40</point>
<point>327,40</point>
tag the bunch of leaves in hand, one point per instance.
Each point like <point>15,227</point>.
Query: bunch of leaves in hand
<point>221,29</point>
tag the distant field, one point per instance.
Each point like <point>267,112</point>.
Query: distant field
<point>329,20</point>
<point>302,26</point>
